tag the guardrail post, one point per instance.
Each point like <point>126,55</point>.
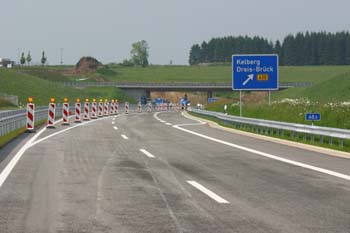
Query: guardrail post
<point>330,141</point>
<point>312,138</point>
<point>341,143</point>
<point>304,137</point>
<point>321,139</point>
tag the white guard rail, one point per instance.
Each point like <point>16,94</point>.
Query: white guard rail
<point>280,127</point>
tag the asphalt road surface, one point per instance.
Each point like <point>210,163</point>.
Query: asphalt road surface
<point>166,173</point>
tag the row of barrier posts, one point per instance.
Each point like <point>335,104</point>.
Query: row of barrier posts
<point>98,109</point>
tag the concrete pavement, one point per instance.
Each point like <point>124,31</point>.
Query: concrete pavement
<point>142,174</point>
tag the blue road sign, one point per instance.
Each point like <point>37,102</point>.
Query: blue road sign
<point>212,100</point>
<point>312,116</point>
<point>255,72</point>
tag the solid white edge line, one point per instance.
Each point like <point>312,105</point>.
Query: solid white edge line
<point>124,136</point>
<point>8,169</point>
<point>147,153</point>
<point>168,124</point>
<point>295,163</point>
<point>209,193</point>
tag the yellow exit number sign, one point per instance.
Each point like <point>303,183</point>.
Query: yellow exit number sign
<point>263,77</point>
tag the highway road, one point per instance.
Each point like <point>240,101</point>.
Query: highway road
<point>165,172</point>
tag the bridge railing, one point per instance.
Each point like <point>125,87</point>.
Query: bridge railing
<point>279,128</point>
<point>223,85</point>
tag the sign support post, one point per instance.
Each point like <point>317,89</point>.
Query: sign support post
<point>240,103</point>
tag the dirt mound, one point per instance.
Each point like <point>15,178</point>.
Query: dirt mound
<point>87,65</point>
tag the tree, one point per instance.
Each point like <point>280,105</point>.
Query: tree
<point>23,59</point>
<point>139,53</point>
<point>29,58</point>
<point>43,58</point>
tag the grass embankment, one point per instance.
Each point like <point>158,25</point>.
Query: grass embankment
<point>24,85</point>
<point>286,136</point>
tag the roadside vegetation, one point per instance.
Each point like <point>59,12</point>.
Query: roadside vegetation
<point>25,85</point>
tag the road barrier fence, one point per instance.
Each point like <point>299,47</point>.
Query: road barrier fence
<point>280,129</point>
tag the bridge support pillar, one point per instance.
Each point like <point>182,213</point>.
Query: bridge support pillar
<point>209,94</point>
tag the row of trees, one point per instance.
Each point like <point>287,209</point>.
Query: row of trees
<point>315,48</point>
<point>28,59</point>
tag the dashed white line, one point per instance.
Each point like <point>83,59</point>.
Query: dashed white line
<point>113,122</point>
<point>125,137</point>
<point>147,153</point>
<point>115,127</point>
<point>209,193</point>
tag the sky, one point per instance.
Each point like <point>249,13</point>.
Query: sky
<point>105,29</point>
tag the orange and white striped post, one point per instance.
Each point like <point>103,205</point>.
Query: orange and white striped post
<point>77,111</point>
<point>100,108</point>
<point>139,107</point>
<point>30,115</point>
<point>149,107</point>
<point>116,107</point>
<point>126,108</point>
<point>86,110</point>
<point>65,112</point>
<point>112,109</point>
<point>106,108</point>
<point>93,109</point>
<point>51,114</point>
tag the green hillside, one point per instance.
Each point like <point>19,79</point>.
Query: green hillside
<point>23,85</point>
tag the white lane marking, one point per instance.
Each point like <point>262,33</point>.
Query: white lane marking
<point>168,124</point>
<point>11,165</point>
<point>209,193</point>
<point>113,122</point>
<point>6,172</point>
<point>199,121</point>
<point>115,127</point>
<point>162,121</point>
<point>113,119</point>
<point>125,137</point>
<point>299,164</point>
<point>147,153</point>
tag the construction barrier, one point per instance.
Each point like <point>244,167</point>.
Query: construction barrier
<point>65,114</point>
<point>126,108</point>
<point>51,116</point>
<point>149,107</point>
<point>116,108</point>
<point>139,108</point>
<point>100,109</point>
<point>112,109</point>
<point>86,111</point>
<point>30,116</point>
<point>77,112</point>
<point>106,108</point>
<point>94,110</point>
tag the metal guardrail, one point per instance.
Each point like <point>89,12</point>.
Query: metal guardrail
<point>278,128</point>
<point>184,85</point>
<point>13,120</point>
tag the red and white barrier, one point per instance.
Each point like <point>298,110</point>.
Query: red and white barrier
<point>65,114</point>
<point>116,108</point>
<point>139,108</point>
<point>106,107</point>
<point>77,112</point>
<point>126,108</point>
<point>112,108</point>
<point>100,109</point>
<point>86,111</point>
<point>51,116</point>
<point>30,116</point>
<point>93,110</point>
<point>149,107</point>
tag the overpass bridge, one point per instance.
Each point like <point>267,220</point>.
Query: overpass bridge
<point>138,89</point>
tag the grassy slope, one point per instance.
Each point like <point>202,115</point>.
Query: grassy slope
<point>23,85</point>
